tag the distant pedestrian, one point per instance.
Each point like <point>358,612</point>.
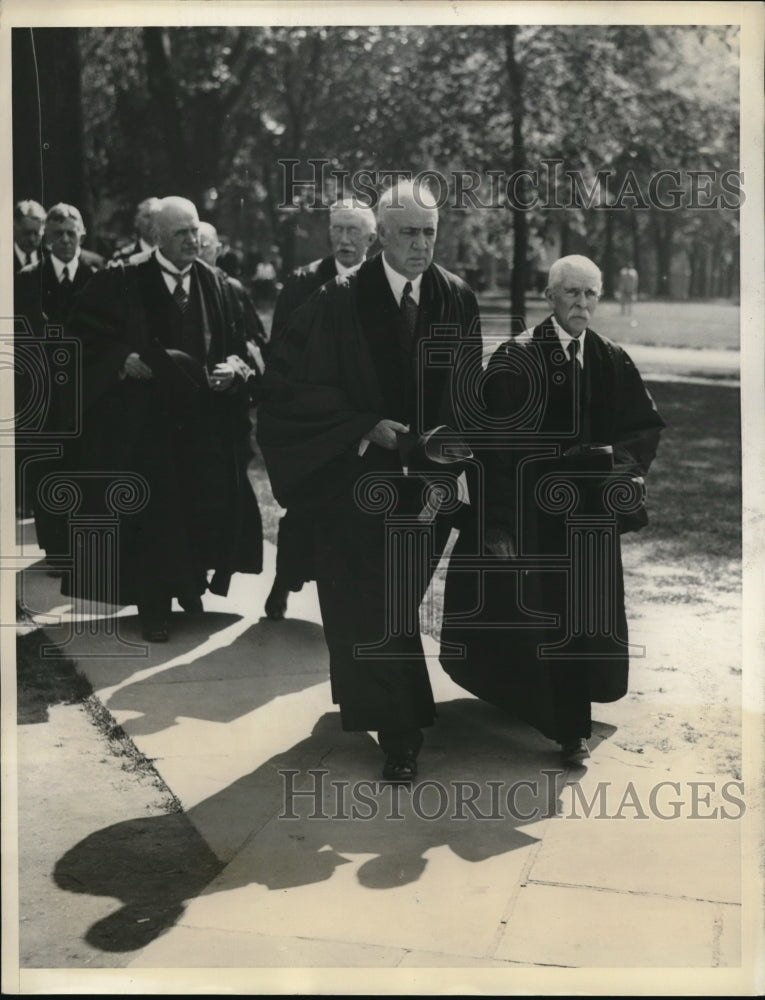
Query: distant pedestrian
<point>628,288</point>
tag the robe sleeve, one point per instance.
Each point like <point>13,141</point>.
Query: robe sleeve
<point>99,320</point>
<point>638,423</point>
<point>502,392</point>
<point>312,416</point>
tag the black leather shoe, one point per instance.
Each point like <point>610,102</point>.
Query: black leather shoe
<point>400,769</point>
<point>574,751</point>
<point>155,632</point>
<point>276,602</point>
<point>192,605</point>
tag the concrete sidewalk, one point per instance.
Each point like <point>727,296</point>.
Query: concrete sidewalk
<point>469,869</point>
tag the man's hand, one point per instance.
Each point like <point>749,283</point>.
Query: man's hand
<point>135,368</point>
<point>384,433</point>
<point>222,377</point>
<point>500,543</point>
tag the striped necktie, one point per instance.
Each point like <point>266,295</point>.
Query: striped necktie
<point>179,292</point>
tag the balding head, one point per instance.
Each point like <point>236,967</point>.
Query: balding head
<point>209,244</point>
<point>177,225</point>
<point>407,223</point>
<point>573,291</point>
<point>351,231</point>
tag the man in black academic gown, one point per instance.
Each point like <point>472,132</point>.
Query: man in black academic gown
<point>352,230</point>
<point>145,234</point>
<point>165,396</point>
<point>43,295</point>
<point>241,304</point>
<point>570,430</point>
<point>347,398</point>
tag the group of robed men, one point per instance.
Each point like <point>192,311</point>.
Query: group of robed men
<point>382,431</point>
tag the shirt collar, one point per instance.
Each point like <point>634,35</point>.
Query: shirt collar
<point>59,266</point>
<point>342,269</point>
<point>22,257</point>
<point>566,338</point>
<point>397,282</point>
<point>168,265</point>
<point>145,247</point>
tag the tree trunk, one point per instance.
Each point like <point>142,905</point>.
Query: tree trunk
<point>607,265</point>
<point>164,97</point>
<point>49,162</point>
<point>519,272</point>
<point>662,231</point>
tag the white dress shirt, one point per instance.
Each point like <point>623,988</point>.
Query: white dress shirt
<point>60,267</point>
<point>342,270</point>
<point>170,279</point>
<point>566,338</point>
<point>22,257</point>
<point>397,282</point>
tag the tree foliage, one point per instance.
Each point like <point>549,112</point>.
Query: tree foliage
<point>209,112</point>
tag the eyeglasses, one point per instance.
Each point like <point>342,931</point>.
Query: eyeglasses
<point>589,293</point>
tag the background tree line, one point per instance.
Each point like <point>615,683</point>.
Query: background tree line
<point>104,117</point>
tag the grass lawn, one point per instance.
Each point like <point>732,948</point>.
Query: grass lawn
<point>713,324</point>
<point>694,487</point>
<point>661,324</point>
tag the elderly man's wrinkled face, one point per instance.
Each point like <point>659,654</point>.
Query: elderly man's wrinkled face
<point>63,238</point>
<point>408,237</point>
<point>27,233</point>
<point>350,236</point>
<point>178,234</point>
<point>574,298</point>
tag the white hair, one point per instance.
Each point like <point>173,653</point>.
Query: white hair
<point>363,212</point>
<point>573,260</point>
<point>405,191</point>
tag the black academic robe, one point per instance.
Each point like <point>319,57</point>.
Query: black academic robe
<point>517,631</point>
<point>298,289</point>
<point>190,444</point>
<point>42,379</point>
<point>343,364</point>
<point>294,547</point>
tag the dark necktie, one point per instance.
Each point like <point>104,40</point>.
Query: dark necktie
<point>179,292</point>
<point>66,281</point>
<point>28,259</point>
<point>577,386</point>
<point>409,310</point>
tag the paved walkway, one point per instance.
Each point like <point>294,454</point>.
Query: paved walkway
<point>470,869</point>
<point>498,861</point>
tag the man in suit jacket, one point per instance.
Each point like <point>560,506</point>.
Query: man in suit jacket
<point>145,232</point>
<point>164,396</point>
<point>45,289</point>
<point>571,432</point>
<point>28,223</point>
<point>352,230</point>
<point>346,395</point>
<point>43,295</point>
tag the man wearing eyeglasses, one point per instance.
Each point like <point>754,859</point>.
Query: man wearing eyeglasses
<point>571,430</point>
<point>352,230</point>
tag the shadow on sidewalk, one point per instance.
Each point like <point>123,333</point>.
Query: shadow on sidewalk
<point>305,813</point>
